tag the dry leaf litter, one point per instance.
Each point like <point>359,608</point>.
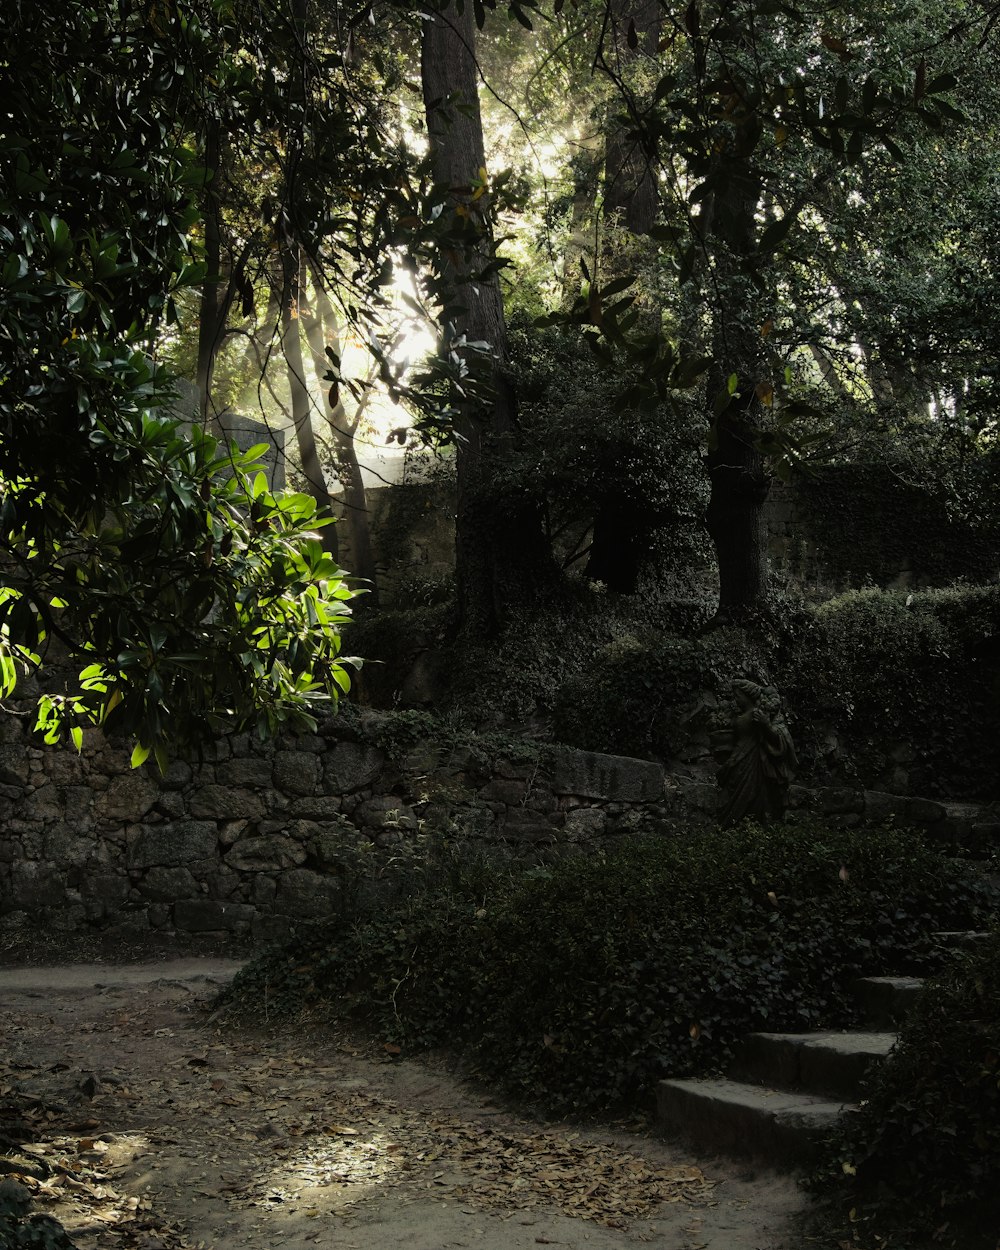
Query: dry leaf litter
<point>259,1124</point>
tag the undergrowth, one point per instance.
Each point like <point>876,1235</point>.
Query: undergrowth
<point>578,985</point>
<point>920,1160</point>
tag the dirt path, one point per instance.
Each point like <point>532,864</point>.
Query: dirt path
<point>148,1127</point>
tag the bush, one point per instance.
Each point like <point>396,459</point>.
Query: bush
<point>584,457</point>
<point>392,957</point>
<point>581,984</point>
<point>927,1140</point>
<point>640,692</point>
<point>910,682</point>
<point>654,960</point>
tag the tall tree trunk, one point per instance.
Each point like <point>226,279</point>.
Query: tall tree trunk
<point>499,545</point>
<point>622,530</point>
<point>305,437</point>
<point>583,218</point>
<point>629,179</point>
<point>260,339</point>
<point>320,325</point>
<point>828,371</point>
<point>211,304</point>
<point>736,469</point>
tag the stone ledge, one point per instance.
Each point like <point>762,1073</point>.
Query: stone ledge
<point>614,778</point>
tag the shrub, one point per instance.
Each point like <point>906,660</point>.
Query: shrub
<point>927,1140</point>
<point>652,961</point>
<point>915,674</point>
<point>393,955</point>
<point>581,984</point>
<point>640,691</point>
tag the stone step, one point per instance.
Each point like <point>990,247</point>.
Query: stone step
<point>961,939</point>
<point>733,1117</point>
<point>831,1065</point>
<point>886,1001</point>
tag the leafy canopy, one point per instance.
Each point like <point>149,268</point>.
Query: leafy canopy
<point>157,562</point>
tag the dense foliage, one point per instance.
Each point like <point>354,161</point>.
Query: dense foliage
<point>921,1156</point>
<point>889,689</point>
<point>621,490</point>
<point>580,984</point>
<point>907,681</point>
<point>182,590</point>
<point>647,693</point>
<point>934,518</point>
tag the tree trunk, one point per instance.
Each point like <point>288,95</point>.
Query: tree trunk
<point>321,330</point>
<point>260,339</point>
<point>211,304</point>
<point>305,437</point>
<point>583,218</point>
<point>629,180</point>
<point>620,542</point>
<point>498,542</point>
<point>736,469</point>
<point>735,515</point>
<point>622,531</point>
<point>828,371</point>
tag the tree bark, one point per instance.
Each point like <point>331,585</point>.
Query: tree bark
<point>828,371</point>
<point>622,530</point>
<point>629,179</point>
<point>736,469</point>
<point>321,330</point>
<point>305,437</point>
<point>211,303</point>
<point>497,543</point>
<point>619,544</point>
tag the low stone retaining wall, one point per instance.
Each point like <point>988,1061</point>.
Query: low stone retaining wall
<point>257,839</point>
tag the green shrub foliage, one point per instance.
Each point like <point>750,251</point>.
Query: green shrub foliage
<point>907,685</point>
<point>918,675</point>
<point>641,693</point>
<point>602,473</point>
<point>926,1142</point>
<point>582,983</point>
<point>873,520</point>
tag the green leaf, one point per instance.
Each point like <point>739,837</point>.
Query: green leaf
<point>943,82</point>
<point>139,755</point>
<point>76,734</point>
<point>774,232</point>
<point>619,285</point>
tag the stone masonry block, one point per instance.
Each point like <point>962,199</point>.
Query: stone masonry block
<point>351,766</point>
<point>174,845</point>
<point>204,915</point>
<point>617,778</point>
<point>225,803</point>
<point>296,772</point>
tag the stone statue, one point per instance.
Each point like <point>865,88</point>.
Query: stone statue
<point>758,760</point>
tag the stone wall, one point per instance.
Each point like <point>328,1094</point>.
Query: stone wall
<point>257,839</point>
<point>893,537</point>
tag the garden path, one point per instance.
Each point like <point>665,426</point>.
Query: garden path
<point>149,1125</point>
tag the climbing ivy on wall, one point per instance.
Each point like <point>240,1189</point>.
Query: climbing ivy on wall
<point>871,523</point>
